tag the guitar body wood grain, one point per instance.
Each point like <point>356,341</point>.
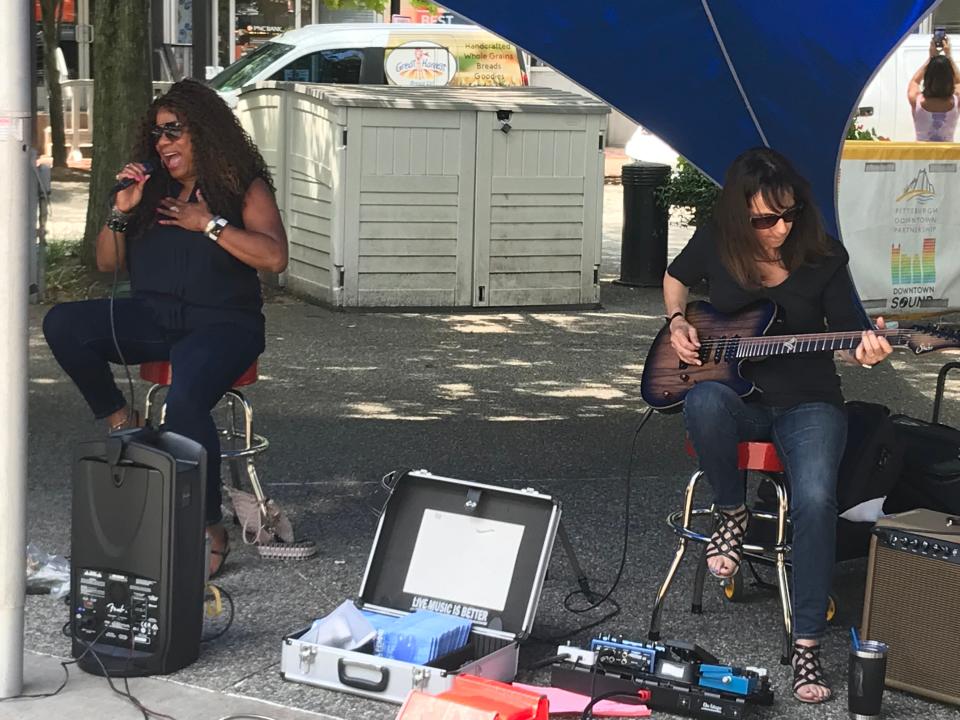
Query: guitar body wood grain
<point>666,380</point>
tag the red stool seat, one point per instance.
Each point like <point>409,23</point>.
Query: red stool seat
<point>160,372</point>
<point>758,456</point>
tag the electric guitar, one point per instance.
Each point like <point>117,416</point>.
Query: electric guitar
<point>726,341</point>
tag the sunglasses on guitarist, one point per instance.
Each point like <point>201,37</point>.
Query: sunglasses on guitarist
<point>765,222</point>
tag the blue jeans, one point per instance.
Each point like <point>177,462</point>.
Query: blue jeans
<point>810,439</point>
<point>207,359</point>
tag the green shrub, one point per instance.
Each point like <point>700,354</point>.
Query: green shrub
<point>688,187</point>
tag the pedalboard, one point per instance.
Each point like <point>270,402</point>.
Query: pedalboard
<point>682,678</point>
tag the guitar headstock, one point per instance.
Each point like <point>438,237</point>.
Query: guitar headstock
<point>926,338</point>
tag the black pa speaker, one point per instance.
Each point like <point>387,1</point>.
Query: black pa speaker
<point>137,553</point>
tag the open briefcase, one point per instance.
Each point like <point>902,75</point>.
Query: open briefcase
<point>474,551</point>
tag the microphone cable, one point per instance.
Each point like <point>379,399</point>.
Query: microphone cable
<point>131,406</point>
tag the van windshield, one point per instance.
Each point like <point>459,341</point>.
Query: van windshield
<point>248,67</point>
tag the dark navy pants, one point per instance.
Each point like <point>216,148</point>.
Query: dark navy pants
<point>206,358</point>
<point>810,439</point>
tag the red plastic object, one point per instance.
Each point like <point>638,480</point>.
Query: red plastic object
<point>490,698</point>
<point>160,372</point>
<point>420,706</point>
<point>760,456</point>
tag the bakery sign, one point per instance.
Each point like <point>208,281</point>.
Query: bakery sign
<point>420,63</point>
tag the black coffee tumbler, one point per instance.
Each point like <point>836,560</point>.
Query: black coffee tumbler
<point>866,672</point>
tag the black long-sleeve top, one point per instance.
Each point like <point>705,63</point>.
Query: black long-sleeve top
<point>813,299</point>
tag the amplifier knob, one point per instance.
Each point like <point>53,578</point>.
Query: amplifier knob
<point>925,545</point>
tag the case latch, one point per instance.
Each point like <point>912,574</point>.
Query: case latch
<point>308,653</point>
<point>421,678</point>
<point>473,500</point>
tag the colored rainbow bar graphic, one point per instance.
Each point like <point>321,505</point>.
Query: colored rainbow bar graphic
<point>914,269</point>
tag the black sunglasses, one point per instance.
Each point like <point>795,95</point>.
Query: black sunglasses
<point>765,222</point>
<point>173,131</point>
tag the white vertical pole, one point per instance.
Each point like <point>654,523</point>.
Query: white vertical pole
<point>232,19</point>
<point>15,35</point>
<point>297,8</point>
<point>315,12</point>
<point>83,44</point>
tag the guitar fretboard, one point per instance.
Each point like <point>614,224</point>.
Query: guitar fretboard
<point>764,346</point>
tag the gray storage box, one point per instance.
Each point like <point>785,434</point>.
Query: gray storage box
<point>451,546</point>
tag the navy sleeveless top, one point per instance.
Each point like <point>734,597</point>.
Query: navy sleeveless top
<point>191,281</point>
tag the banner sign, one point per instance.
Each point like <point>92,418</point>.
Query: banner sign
<point>900,221</point>
<point>457,59</point>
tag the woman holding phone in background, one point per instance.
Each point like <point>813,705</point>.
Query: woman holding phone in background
<point>936,106</point>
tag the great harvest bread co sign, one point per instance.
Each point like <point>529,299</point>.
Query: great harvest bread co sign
<point>420,63</point>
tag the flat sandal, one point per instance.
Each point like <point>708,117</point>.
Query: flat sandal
<point>807,670</point>
<point>727,539</point>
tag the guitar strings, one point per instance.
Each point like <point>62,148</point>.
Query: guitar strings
<point>755,345</point>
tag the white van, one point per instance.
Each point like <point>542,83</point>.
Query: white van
<point>379,54</point>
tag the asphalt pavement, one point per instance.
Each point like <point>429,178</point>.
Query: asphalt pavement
<point>542,398</point>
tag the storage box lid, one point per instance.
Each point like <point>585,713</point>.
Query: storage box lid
<point>475,551</point>
<point>519,99</point>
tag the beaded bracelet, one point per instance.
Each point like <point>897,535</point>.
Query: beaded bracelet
<point>117,220</point>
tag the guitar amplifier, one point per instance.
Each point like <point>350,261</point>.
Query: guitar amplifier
<point>912,601</point>
<point>137,553</point>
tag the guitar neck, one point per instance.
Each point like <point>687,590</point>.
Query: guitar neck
<point>764,346</point>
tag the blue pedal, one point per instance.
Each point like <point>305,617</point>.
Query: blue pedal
<point>727,679</point>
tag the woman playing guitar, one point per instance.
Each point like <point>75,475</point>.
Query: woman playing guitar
<point>767,242</point>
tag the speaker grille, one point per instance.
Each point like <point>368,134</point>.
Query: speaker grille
<point>914,607</point>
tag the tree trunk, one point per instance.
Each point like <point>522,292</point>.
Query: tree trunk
<point>122,93</point>
<point>51,73</point>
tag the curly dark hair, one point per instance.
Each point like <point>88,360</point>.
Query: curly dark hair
<point>225,158</point>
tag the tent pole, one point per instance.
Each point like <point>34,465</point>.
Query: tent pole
<point>16,34</point>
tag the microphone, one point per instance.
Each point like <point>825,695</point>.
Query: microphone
<point>127,182</point>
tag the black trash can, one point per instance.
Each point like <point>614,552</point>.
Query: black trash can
<point>643,246</point>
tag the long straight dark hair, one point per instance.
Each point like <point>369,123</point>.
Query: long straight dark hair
<point>765,171</point>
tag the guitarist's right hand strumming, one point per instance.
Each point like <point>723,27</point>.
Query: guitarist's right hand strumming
<point>684,339</point>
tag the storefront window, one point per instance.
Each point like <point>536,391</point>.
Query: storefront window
<point>183,21</point>
<point>306,12</point>
<point>258,21</point>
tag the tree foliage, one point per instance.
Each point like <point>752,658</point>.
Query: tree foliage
<point>375,5</point>
<point>122,93</point>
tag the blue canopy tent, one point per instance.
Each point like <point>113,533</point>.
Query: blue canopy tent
<point>715,77</point>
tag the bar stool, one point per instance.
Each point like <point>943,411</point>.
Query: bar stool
<point>239,443</point>
<point>758,457</point>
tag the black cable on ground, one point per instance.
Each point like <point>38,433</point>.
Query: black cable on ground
<point>588,710</point>
<point>593,598</point>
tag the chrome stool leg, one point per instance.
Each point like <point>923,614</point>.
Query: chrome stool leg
<point>149,401</point>
<point>783,582</point>
<point>696,604</point>
<point>684,531</point>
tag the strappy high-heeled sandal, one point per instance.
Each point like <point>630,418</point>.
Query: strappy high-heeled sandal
<point>807,671</point>
<point>727,539</point>
<point>222,553</point>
